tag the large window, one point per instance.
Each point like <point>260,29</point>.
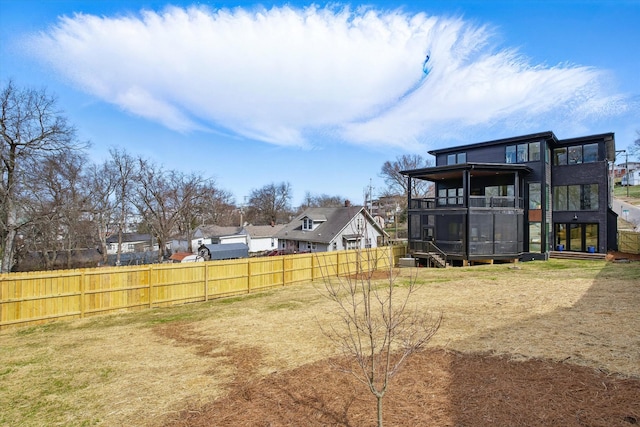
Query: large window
<point>500,191</point>
<point>522,153</point>
<point>560,156</point>
<point>590,153</point>
<point>575,154</point>
<point>575,197</point>
<point>457,158</point>
<point>510,156</point>
<point>534,152</point>
<point>535,237</point>
<point>535,195</point>
<point>450,196</point>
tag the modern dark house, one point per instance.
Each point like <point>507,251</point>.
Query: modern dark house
<point>515,198</point>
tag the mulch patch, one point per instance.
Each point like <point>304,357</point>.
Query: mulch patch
<point>434,388</point>
<point>617,256</point>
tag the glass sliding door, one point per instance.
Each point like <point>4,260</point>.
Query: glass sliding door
<point>591,237</point>
<point>576,237</point>
<point>575,242</point>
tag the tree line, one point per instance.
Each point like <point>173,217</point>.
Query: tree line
<point>53,200</point>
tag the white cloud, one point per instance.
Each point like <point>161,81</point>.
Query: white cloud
<point>286,76</point>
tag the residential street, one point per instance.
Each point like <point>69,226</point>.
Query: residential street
<point>628,212</point>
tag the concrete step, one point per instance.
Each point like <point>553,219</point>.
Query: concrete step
<point>576,255</point>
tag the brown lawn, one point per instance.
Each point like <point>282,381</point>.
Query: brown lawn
<point>533,344</point>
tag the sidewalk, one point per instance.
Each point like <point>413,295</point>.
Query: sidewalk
<point>628,212</point>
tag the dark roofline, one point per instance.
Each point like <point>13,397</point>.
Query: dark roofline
<point>502,167</point>
<point>540,135</point>
<point>586,138</point>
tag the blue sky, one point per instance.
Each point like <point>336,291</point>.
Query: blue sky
<point>321,95</point>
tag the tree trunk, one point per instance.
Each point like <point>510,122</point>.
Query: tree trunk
<point>379,411</point>
<point>7,255</point>
<point>119,252</point>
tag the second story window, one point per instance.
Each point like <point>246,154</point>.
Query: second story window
<point>590,153</point>
<point>307,224</point>
<point>458,158</point>
<point>581,197</point>
<point>575,154</point>
<point>535,195</point>
<point>522,153</point>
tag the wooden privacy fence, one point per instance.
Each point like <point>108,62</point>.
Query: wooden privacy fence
<point>629,242</point>
<point>39,297</point>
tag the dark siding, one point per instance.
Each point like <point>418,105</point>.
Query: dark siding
<point>586,173</point>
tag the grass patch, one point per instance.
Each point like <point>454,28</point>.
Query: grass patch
<point>48,327</point>
<point>621,192</point>
<point>287,305</point>
<point>233,300</point>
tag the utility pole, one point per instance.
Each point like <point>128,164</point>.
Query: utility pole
<point>626,167</point>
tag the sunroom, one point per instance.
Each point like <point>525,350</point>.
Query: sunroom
<point>476,213</point>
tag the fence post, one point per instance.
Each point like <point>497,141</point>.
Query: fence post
<point>150,285</point>
<point>284,272</point>
<point>82,289</point>
<point>313,257</point>
<point>248,275</point>
<point>206,282</point>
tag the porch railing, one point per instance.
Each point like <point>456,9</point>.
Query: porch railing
<point>474,202</point>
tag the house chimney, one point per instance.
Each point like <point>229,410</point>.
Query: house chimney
<point>347,203</point>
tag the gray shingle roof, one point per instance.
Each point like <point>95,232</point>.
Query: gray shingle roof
<point>335,220</point>
<point>218,231</point>
<point>263,230</point>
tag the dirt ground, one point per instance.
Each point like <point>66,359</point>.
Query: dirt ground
<point>621,256</point>
<point>435,388</point>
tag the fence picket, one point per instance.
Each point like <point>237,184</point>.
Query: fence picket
<point>38,297</point>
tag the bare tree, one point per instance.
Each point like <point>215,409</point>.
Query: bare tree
<point>56,208</point>
<point>321,201</point>
<point>635,148</point>
<point>398,183</point>
<point>219,207</point>
<point>124,167</point>
<point>164,199</point>
<point>379,328</point>
<point>270,203</point>
<point>194,196</point>
<point>32,127</point>
<point>102,184</point>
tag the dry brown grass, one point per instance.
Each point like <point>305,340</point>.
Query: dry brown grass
<point>148,368</point>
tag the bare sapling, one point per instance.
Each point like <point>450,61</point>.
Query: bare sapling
<point>378,325</point>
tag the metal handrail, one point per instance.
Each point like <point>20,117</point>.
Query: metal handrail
<point>436,249</point>
<point>474,202</point>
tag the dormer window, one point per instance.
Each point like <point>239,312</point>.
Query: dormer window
<point>307,224</point>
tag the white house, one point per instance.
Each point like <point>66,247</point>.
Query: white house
<point>262,238</point>
<point>331,229</point>
<point>132,242</point>
<point>631,178</point>
<point>259,238</point>
<point>215,234</point>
